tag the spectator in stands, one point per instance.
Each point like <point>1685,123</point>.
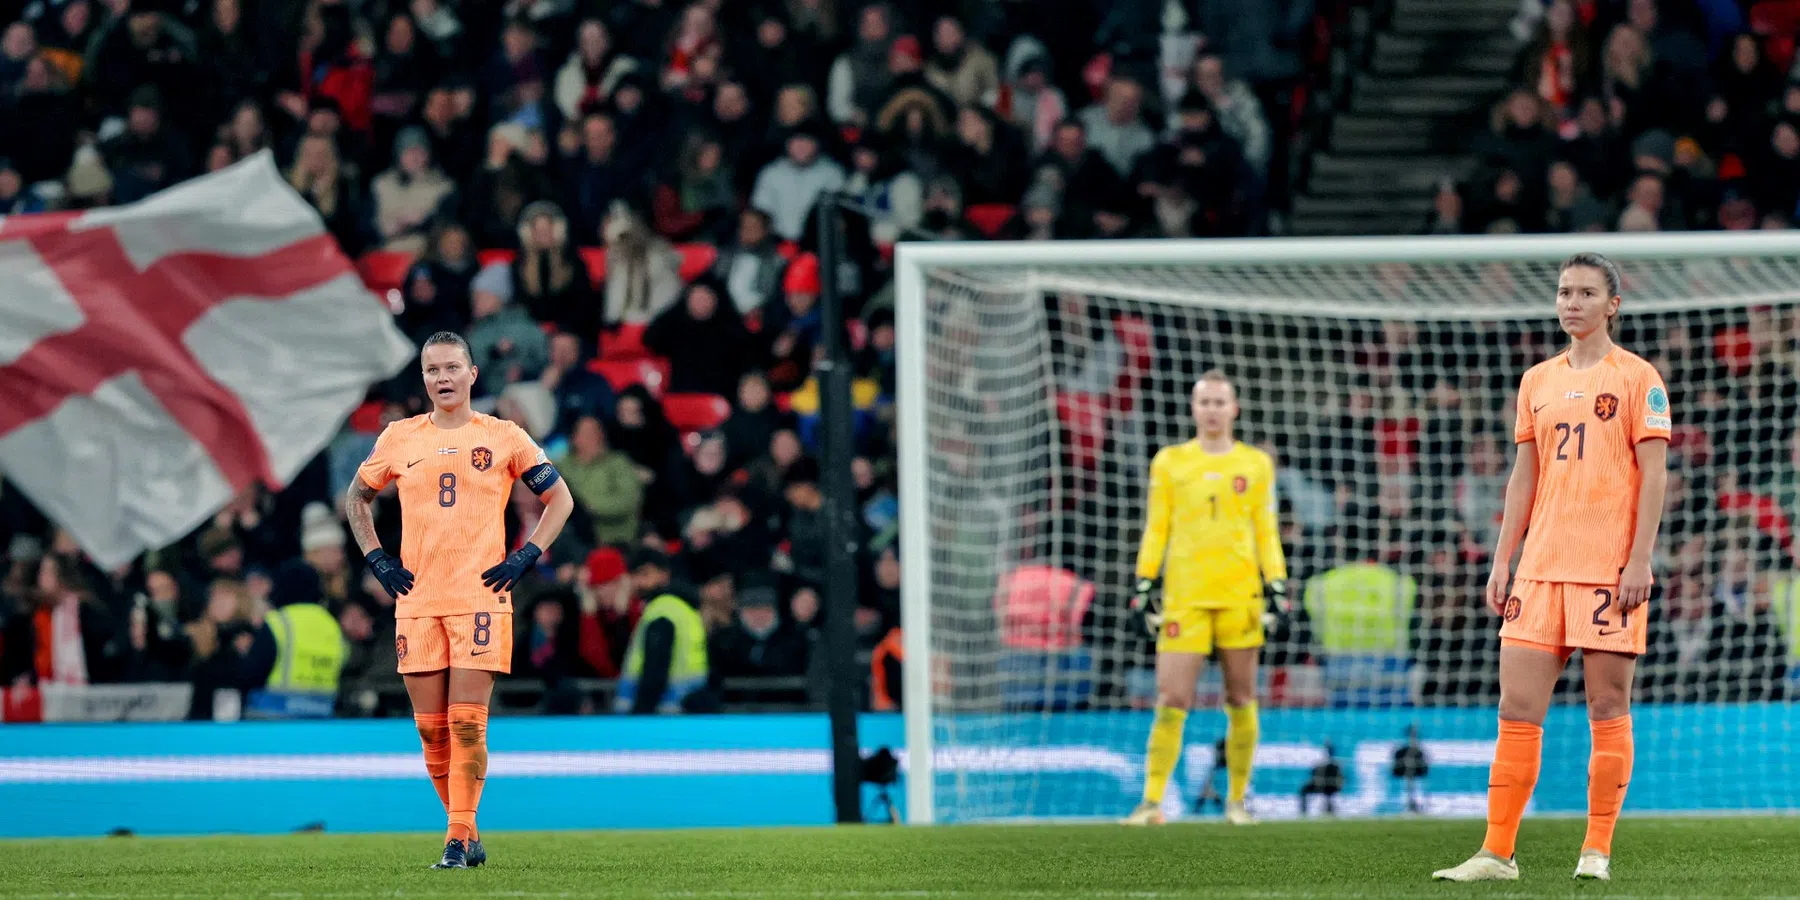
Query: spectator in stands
<point>1518,141</point>
<point>427,309</point>
<point>860,77</point>
<point>147,156</point>
<point>604,481</point>
<point>804,522</point>
<point>549,281</point>
<point>1558,58</point>
<point>751,268</point>
<point>643,271</point>
<point>695,200</point>
<point>1195,180</point>
<point>704,339</point>
<point>146,47</point>
<point>792,326</point>
<point>1237,110</point>
<point>963,70</point>
<point>890,195</point>
<point>513,176</point>
<point>585,82</point>
<point>666,666</point>
<point>41,119</point>
<point>1083,176</point>
<point>507,346</point>
<point>318,175</point>
<point>753,421</point>
<point>788,188</point>
<point>1115,126</point>
<point>758,643</point>
<point>577,391</point>
<point>408,196</point>
<point>642,433</point>
<point>988,158</point>
<point>58,632</point>
<point>1028,100</point>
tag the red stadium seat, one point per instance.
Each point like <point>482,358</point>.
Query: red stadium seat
<point>490,257</point>
<point>1779,48</point>
<point>367,418</point>
<point>624,343</point>
<point>989,218</point>
<point>696,259</point>
<point>696,412</point>
<point>652,373</point>
<point>384,270</point>
<point>595,258</point>
<point>1776,17</point>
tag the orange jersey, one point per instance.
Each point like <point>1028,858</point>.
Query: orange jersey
<point>1587,424</point>
<point>454,486</point>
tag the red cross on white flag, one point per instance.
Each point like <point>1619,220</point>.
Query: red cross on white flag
<point>157,358</point>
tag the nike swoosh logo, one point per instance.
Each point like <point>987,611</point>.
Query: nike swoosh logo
<point>414,463</point>
<point>1536,409</point>
<point>1611,633</point>
<point>478,652</point>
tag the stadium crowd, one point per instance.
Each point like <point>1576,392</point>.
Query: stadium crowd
<point>611,200</point>
<point>1647,115</point>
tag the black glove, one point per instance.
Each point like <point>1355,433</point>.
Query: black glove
<point>393,577</point>
<point>1276,608</point>
<point>503,576</point>
<point>1147,609</point>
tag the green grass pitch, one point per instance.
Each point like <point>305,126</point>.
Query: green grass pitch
<point>1710,858</point>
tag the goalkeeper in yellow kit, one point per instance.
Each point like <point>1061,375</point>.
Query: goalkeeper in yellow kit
<point>1211,534</point>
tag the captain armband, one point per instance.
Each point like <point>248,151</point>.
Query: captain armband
<point>541,477</point>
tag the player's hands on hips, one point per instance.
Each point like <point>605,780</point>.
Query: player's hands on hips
<point>1145,608</point>
<point>503,576</point>
<point>1498,581</point>
<point>393,577</point>
<point>1276,606</point>
<point>1634,585</point>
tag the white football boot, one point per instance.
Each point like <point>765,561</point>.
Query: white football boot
<point>1147,813</point>
<point>1593,866</point>
<point>1236,814</point>
<point>1483,866</point>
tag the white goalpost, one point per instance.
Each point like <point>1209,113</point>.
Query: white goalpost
<point>1037,379</point>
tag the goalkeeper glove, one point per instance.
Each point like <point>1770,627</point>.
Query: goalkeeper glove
<point>1147,609</point>
<point>503,576</point>
<point>393,577</point>
<point>1276,608</point>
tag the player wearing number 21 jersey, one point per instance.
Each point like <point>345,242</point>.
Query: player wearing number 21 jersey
<point>455,470</point>
<point>1586,496</point>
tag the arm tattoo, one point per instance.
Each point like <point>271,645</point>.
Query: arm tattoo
<point>359,508</point>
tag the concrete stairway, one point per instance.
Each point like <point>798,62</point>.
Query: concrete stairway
<point>1435,70</point>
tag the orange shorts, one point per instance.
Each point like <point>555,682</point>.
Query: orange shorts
<point>1561,616</point>
<point>474,641</point>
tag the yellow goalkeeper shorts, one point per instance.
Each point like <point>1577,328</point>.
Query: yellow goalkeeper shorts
<point>1195,629</point>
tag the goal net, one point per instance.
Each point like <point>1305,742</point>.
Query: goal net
<point>1038,380</point>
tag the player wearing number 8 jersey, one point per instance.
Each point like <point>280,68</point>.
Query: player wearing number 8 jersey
<point>455,470</point>
<point>1586,494</point>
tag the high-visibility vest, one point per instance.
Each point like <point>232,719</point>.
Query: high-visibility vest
<point>309,650</point>
<point>881,694</point>
<point>1362,608</point>
<point>1784,606</point>
<point>687,662</point>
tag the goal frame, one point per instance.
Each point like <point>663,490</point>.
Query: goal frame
<point>914,260</point>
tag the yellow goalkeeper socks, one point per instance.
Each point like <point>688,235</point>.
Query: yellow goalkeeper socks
<point>1165,749</point>
<point>1240,748</point>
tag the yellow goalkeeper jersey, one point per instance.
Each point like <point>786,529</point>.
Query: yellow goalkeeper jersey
<point>1211,530</point>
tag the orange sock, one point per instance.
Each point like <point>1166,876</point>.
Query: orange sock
<point>1510,782</point>
<point>1609,772</point>
<point>468,767</point>
<point>434,736</point>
